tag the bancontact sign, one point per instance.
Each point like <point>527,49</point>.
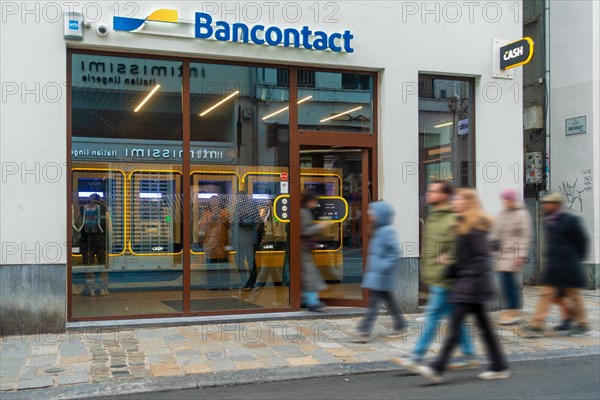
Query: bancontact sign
<point>206,28</point>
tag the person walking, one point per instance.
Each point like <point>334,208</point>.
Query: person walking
<point>512,233</point>
<point>439,241</point>
<point>565,247</point>
<point>312,281</point>
<point>472,287</point>
<point>383,266</point>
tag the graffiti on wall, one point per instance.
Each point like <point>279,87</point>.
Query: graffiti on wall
<point>574,189</point>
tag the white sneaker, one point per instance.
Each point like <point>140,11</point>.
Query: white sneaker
<point>408,363</point>
<point>492,375</point>
<point>430,374</point>
<point>104,292</point>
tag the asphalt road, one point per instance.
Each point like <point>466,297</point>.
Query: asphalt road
<point>558,378</point>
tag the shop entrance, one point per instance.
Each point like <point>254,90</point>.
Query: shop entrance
<point>339,176</point>
<point>342,175</point>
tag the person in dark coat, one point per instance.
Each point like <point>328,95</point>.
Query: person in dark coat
<point>312,280</point>
<point>473,286</point>
<point>381,276</point>
<point>565,248</point>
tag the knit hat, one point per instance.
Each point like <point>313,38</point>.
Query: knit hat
<point>555,197</point>
<point>509,194</point>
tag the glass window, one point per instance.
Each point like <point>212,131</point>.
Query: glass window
<point>446,135</point>
<point>240,114</point>
<point>334,101</point>
<point>126,203</point>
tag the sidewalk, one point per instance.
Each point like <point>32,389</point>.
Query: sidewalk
<point>110,362</point>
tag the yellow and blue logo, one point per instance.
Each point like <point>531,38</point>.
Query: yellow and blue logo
<point>131,24</point>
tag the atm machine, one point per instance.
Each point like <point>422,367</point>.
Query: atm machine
<point>264,185</point>
<point>212,192</point>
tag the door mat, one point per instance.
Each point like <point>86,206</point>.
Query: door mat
<point>227,303</point>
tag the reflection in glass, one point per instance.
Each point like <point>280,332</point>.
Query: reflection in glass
<point>126,202</point>
<point>334,101</point>
<point>240,132</point>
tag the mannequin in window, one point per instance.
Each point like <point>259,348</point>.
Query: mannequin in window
<point>93,244</point>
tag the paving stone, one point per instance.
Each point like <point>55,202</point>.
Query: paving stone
<point>158,371</point>
<point>10,370</point>
<point>39,350</point>
<point>329,345</point>
<point>302,361</point>
<point>341,352</point>
<point>158,350</point>
<point>215,356</point>
<point>5,385</point>
<point>242,358</point>
<point>37,382</point>
<point>160,358</point>
<point>43,361</point>
<point>174,338</point>
<point>273,361</point>
<point>239,351</point>
<point>73,379</point>
<point>257,345</point>
<point>218,366</point>
<point>197,369</point>
<point>19,347</point>
<point>326,359</point>
<point>74,360</point>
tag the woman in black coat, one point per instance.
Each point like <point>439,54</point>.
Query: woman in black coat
<point>472,287</point>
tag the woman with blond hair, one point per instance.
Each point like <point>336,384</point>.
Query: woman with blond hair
<point>473,286</point>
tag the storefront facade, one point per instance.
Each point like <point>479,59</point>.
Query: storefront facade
<point>156,170</point>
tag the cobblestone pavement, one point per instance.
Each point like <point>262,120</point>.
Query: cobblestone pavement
<point>87,357</point>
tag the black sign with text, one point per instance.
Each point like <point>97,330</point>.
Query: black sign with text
<point>516,53</point>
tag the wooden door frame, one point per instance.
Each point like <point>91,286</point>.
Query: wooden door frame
<point>368,191</point>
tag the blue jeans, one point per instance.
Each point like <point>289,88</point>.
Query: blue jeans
<point>438,308</point>
<point>510,289</point>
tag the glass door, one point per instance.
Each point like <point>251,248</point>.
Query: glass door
<point>340,177</point>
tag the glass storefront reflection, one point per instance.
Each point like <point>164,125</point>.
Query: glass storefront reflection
<point>128,212</point>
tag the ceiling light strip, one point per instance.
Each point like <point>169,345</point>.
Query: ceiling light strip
<point>340,114</point>
<point>285,108</point>
<point>202,114</point>
<point>147,98</point>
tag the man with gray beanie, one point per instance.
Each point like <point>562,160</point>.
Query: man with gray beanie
<point>565,247</point>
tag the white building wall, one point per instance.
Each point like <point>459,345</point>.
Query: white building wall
<point>575,91</point>
<point>399,39</point>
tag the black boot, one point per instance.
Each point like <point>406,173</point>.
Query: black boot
<point>565,325</point>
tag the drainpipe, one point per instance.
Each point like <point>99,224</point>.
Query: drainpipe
<point>547,85</point>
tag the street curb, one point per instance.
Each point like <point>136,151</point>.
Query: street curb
<point>232,378</point>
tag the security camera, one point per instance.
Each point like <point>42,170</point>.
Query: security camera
<point>102,30</point>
